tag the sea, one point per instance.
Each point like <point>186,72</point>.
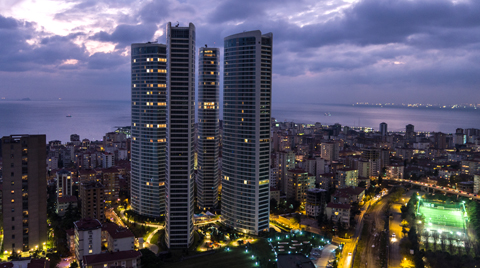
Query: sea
<point>92,119</point>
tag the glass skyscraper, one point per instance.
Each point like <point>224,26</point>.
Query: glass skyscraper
<point>208,128</point>
<point>149,76</point>
<point>246,131</point>
<point>179,183</point>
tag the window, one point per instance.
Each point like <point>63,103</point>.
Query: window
<point>13,236</point>
<point>90,251</point>
<point>13,227</point>
<point>13,200</point>
<point>13,218</point>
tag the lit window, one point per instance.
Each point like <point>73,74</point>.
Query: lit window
<point>162,104</point>
<point>134,85</point>
<point>161,140</point>
<point>90,251</point>
<point>148,59</point>
<point>162,60</point>
<point>134,60</point>
<point>212,83</point>
<point>210,138</point>
<point>12,191</point>
<point>209,105</point>
<point>13,200</point>
<point>162,85</point>
<point>161,183</point>
<point>245,182</point>
<point>212,62</point>
<point>246,140</point>
<point>161,125</point>
<point>162,70</point>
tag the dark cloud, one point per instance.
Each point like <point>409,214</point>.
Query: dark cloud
<point>106,61</point>
<point>379,49</point>
<point>124,34</point>
<point>7,23</point>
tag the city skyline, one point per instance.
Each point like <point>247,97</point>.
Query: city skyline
<point>341,52</point>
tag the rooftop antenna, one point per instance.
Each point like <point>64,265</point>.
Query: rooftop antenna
<point>176,25</point>
<point>206,45</point>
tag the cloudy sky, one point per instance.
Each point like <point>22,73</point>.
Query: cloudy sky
<point>324,51</point>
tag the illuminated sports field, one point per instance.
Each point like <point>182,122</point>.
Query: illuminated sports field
<point>443,219</point>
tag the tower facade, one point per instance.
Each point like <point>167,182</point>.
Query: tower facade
<point>179,183</point>
<point>208,128</point>
<point>24,193</point>
<point>149,79</point>
<point>246,131</point>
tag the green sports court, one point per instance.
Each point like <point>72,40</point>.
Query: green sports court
<point>443,217</point>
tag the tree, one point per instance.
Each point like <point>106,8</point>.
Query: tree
<point>404,231</point>
<point>435,236</point>
<point>407,263</point>
<point>273,204</point>
<point>149,259</point>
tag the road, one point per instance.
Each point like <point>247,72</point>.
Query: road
<point>439,188</point>
<point>327,254</point>
<point>396,228</point>
<point>350,244</point>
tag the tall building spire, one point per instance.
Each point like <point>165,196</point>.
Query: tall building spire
<point>149,79</point>
<point>246,131</point>
<point>208,128</point>
<point>179,183</point>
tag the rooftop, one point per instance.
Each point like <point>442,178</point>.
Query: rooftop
<point>87,224</point>
<point>116,231</point>
<point>67,199</point>
<point>111,256</point>
<point>339,206</point>
<point>349,191</point>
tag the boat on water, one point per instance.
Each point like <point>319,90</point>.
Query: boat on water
<point>328,114</point>
<point>69,116</point>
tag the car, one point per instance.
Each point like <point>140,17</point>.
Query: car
<point>393,235</point>
<point>349,253</point>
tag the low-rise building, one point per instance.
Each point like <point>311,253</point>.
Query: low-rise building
<point>338,213</point>
<point>346,177</point>
<point>395,171</point>
<point>315,204</point>
<point>70,233</point>
<point>275,194</point>
<point>88,238</point>
<point>93,201</point>
<point>466,186</point>
<point>299,182</point>
<point>348,195</point>
<point>476,183</point>
<point>64,202</point>
<point>130,258</point>
<point>118,238</point>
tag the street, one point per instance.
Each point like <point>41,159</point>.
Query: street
<point>396,228</point>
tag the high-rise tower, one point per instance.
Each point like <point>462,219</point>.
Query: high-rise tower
<point>246,131</point>
<point>179,183</point>
<point>24,193</point>
<point>149,79</point>
<point>208,128</point>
